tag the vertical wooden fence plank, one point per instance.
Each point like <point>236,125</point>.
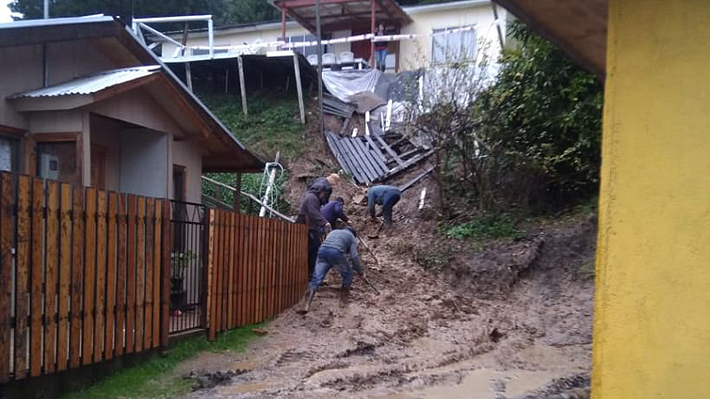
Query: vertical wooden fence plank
<point>218,270</point>
<point>64,276</point>
<point>100,326</point>
<point>149,239</point>
<point>6,246</point>
<point>277,265</point>
<point>256,269</point>
<point>242,269</point>
<point>36,279</point>
<point>292,248</point>
<point>52,259</point>
<point>165,276</point>
<point>89,276</point>
<point>22,267</point>
<point>224,272</point>
<point>77,277</point>
<point>111,277</point>
<point>140,275</point>
<point>230,274</point>
<point>157,275</point>
<point>211,275</point>
<point>269,267</point>
<point>121,329</point>
<point>131,275</point>
<point>237,265</point>
<point>248,267</point>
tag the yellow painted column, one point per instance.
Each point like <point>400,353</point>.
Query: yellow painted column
<point>652,316</point>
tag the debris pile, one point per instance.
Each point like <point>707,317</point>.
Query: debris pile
<point>382,149</point>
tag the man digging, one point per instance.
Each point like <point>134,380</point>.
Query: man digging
<point>332,253</point>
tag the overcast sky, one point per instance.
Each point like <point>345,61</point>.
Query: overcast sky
<point>4,11</point>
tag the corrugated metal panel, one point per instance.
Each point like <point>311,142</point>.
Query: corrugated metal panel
<point>92,84</point>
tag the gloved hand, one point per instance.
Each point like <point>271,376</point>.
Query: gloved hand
<point>327,228</point>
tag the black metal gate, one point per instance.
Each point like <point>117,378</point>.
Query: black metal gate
<point>187,272</point>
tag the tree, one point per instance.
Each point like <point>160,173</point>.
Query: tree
<point>530,139</point>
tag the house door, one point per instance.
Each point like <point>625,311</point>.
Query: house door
<point>98,167</point>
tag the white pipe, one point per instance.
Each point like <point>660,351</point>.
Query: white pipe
<point>164,36</point>
<point>270,185</point>
<point>185,18</point>
<point>367,123</point>
<point>46,9</point>
<point>422,197</point>
<point>389,115</point>
<point>210,31</point>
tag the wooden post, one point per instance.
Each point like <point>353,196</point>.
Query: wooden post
<point>242,85</point>
<point>299,88</point>
<point>237,191</point>
<point>188,76</point>
<point>283,23</point>
<point>372,29</point>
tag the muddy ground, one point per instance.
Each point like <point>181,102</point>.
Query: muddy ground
<point>513,320</point>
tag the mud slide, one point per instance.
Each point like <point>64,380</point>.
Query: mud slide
<point>512,321</point>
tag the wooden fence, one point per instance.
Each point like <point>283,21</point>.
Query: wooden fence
<point>262,272</point>
<point>85,274</point>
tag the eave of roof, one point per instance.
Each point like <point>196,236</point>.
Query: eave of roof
<point>578,27</point>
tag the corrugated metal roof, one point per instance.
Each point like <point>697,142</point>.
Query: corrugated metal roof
<point>92,84</point>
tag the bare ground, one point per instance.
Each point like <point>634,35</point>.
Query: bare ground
<point>511,321</point>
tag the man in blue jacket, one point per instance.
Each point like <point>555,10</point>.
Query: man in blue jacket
<point>333,210</point>
<point>333,253</point>
<point>387,196</point>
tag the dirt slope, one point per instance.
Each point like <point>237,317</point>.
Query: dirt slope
<point>512,321</point>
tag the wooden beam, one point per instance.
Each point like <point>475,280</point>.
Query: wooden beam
<point>372,30</point>
<point>242,85</point>
<point>289,4</point>
<point>299,88</point>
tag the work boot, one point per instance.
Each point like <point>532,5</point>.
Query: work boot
<point>310,294</point>
<point>344,296</point>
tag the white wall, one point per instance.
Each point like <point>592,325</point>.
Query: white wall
<point>144,163</point>
<point>189,155</point>
<point>417,53</point>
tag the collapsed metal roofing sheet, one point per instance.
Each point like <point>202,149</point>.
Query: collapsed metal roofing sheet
<point>93,83</point>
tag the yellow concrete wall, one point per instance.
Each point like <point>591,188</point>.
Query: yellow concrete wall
<point>652,317</point>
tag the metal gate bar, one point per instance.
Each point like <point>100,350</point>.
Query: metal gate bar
<point>187,277</point>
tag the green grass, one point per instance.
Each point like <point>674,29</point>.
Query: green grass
<point>488,226</point>
<point>272,125</point>
<point>156,377</point>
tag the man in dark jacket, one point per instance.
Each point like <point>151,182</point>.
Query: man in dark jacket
<point>333,253</point>
<point>309,212</point>
<point>333,211</point>
<point>387,196</point>
<point>325,184</point>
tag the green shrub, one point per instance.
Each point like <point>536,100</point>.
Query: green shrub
<point>486,227</point>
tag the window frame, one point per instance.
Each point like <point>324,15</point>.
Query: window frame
<point>445,53</point>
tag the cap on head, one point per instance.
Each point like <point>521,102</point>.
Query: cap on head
<point>333,178</point>
<point>340,199</point>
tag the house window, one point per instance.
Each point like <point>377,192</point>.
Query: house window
<point>9,161</point>
<point>306,51</point>
<point>57,161</point>
<point>456,44</point>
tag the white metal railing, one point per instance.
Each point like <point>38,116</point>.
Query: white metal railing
<point>142,23</point>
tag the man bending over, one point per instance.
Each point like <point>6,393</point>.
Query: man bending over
<point>332,253</point>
